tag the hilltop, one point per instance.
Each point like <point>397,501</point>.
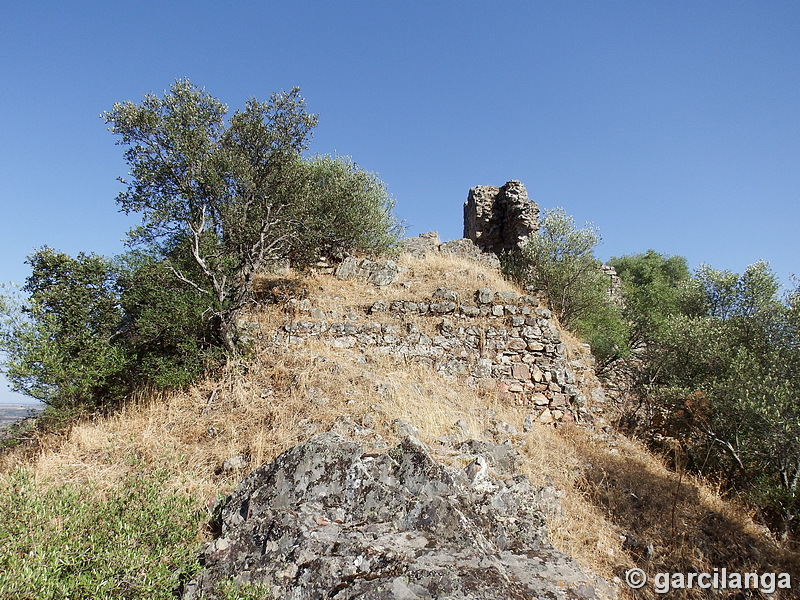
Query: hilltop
<point>618,505</point>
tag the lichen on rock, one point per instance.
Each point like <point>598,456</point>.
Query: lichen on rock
<point>327,519</point>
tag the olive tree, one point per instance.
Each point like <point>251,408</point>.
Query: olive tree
<point>233,192</point>
<point>221,188</point>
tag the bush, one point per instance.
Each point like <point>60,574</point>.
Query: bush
<point>59,342</point>
<point>167,328</point>
<point>344,208</point>
<point>718,354</point>
<point>559,260</point>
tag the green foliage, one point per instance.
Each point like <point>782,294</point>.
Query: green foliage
<point>167,329</point>
<point>655,287</point>
<point>69,541</point>
<point>343,208</point>
<point>89,330</point>
<point>234,194</point>
<point>59,343</point>
<point>559,259</point>
<point>720,354</point>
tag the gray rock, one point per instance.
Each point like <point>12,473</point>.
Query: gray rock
<point>485,295</point>
<point>377,272</point>
<point>443,307</point>
<point>443,293</point>
<point>404,428</point>
<point>234,463</point>
<point>421,246</point>
<point>527,424</point>
<point>326,520</point>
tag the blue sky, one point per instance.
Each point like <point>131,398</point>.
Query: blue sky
<point>669,125</point>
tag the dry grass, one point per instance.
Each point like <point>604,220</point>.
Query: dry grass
<point>621,506</point>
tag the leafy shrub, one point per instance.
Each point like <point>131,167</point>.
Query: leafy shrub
<point>718,355</point>
<point>59,342</point>
<point>559,260</point>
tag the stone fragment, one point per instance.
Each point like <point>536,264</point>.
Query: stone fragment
<point>482,368</point>
<point>470,311</point>
<point>234,463</point>
<point>425,244</point>
<point>521,371</point>
<point>404,428</point>
<point>540,399</point>
<point>517,344</point>
<point>379,306</point>
<point>442,293</point>
<point>485,295</point>
<point>505,297</point>
<point>379,273</point>
<point>443,307</point>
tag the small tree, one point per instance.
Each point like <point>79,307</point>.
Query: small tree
<point>233,194</point>
<point>220,190</point>
<point>559,259</point>
<point>59,342</point>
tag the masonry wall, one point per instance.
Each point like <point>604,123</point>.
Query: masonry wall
<point>493,339</point>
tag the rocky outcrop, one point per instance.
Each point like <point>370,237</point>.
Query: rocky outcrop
<point>328,520</point>
<point>428,244</point>
<point>499,219</point>
<point>376,272</point>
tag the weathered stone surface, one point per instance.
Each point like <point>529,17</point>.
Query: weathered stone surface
<point>326,520</point>
<point>421,246</point>
<point>442,293</point>
<point>466,248</point>
<point>428,244</point>
<point>377,272</point>
<point>499,219</point>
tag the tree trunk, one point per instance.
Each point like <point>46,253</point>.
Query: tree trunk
<point>225,327</point>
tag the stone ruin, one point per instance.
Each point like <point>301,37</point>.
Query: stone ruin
<point>331,518</point>
<point>499,219</point>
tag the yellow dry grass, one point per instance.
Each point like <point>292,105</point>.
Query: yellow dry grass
<point>618,499</point>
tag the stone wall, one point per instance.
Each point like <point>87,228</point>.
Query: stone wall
<point>493,339</point>
<point>498,219</point>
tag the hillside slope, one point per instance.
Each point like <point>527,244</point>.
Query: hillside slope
<point>620,506</point>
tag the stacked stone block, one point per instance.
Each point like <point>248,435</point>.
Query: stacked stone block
<point>499,219</point>
<point>493,339</point>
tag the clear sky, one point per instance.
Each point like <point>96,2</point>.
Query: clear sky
<point>670,125</point>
